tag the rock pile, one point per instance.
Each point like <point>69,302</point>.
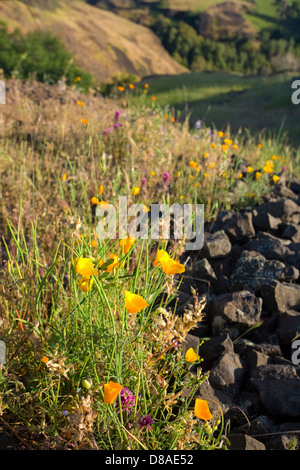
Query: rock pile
<point>249,272</point>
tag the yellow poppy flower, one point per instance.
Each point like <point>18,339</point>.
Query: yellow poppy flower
<point>121,88</point>
<point>100,190</point>
<point>85,267</point>
<point>134,303</point>
<point>127,243</point>
<point>111,391</point>
<point>85,283</point>
<point>135,191</point>
<point>228,141</point>
<point>193,164</point>
<point>276,178</point>
<point>201,409</point>
<point>250,169</point>
<point>191,356</point>
<point>79,103</point>
<point>94,200</point>
<point>167,264</point>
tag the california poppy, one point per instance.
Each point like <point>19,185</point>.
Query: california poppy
<point>191,356</point>
<point>85,267</point>
<point>134,303</point>
<point>127,243</point>
<point>111,391</point>
<point>201,409</point>
<point>168,265</point>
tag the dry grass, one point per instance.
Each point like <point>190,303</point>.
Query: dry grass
<point>102,43</point>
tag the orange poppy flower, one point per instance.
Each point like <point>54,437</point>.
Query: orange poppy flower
<point>111,391</point>
<point>167,264</point>
<point>191,356</point>
<point>127,243</point>
<point>134,303</point>
<point>202,410</point>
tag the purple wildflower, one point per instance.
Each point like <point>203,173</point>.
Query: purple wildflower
<point>116,125</point>
<point>146,422</point>
<point>117,115</point>
<point>144,181</point>
<point>127,399</point>
<point>198,124</point>
<point>65,412</point>
<point>166,177</point>
<point>284,168</point>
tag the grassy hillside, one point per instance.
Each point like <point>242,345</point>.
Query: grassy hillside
<point>251,103</point>
<point>102,43</point>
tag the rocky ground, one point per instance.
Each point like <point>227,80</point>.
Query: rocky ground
<point>249,271</point>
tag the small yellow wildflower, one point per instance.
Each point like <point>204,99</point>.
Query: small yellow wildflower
<point>193,164</point>
<point>191,356</point>
<point>135,191</point>
<point>276,178</point>
<point>250,169</point>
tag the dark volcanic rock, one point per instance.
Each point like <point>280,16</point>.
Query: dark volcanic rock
<point>244,442</point>
<point>228,373</point>
<point>279,389</point>
<point>272,248</point>
<point>216,245</point>
<point>288,326</point>
<point>279,297</point>
<point>253,269</point>
<point>240,308</point>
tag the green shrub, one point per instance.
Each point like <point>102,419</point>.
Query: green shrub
<point>39,55</point>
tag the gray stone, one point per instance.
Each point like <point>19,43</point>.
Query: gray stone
<point>244,442</point>
<point>282,208</point>
<point>241,308</point>
<point>279,297</point>
<point>213,348</point>
<point>228,373</point>
<point>253,269</point>
<point>263,221</point>
<point>216,245</point>
<point>203,270</point>
<point>288,326</point>
<point>271,247</point>
<point>240,227</point>
<point>279,389</point>
<point>290,232</point>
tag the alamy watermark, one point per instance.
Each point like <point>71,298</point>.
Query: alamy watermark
<point>296,352</point>
<point>296,94</point>
<point>180,222</point>
<point>2,92</point>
